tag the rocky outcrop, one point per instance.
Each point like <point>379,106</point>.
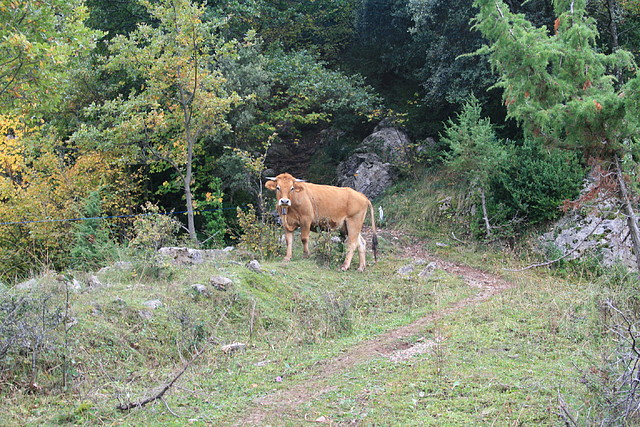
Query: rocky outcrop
<point>367,173</point>
<point>605,238</point>
<point>374,164</point>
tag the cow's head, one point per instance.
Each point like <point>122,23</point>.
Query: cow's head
<point>285,187</point>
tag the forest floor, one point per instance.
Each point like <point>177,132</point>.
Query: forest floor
<point>392,344</point>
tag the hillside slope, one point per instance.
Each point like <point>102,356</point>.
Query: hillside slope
<point>414,340</point>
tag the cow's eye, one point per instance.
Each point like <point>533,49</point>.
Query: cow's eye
<point>277,188</point>
<point>293,188</point>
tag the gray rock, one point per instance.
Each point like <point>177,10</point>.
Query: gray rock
<point>366,173</point>
<point>200,289</point>
<point>233,347</point>
<point>254,265</point>
<point>390,143</point>
<point>153,304</point>
<point>428,270</point>
<point>406,270</point>
<point>220,283</point>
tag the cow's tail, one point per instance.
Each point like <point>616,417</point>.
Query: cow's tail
<point>374,239</point>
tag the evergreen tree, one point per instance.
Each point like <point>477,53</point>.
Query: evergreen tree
<point>476,153</point>
<point>562,89</point>
<point>92,243</point>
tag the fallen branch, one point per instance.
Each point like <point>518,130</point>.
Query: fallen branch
<point>167,386</point>
<point>566,416</point>
<point>212,341</point>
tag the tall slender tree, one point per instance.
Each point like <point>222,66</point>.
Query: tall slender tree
<point>181,96</point>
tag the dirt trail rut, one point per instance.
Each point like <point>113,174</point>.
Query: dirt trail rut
<point>389,344</point>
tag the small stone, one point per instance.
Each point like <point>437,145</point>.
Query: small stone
<point>233,347</point>
<point>407,269</point>
<point>254,265</point>
<point>220,283</point>
<point>153,304</point>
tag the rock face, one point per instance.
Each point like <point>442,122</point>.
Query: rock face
<point>372,168</point>
<point>367,173</point>
<point>604,238</point>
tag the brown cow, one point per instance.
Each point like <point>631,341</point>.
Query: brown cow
<point>312,206</point>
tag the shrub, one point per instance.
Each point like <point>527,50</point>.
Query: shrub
<point>533,185</point>
<point>211,208</point>
<point>154,230</point>
<point>260,237</point>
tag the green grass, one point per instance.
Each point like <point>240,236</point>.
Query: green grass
<point>503,361</point>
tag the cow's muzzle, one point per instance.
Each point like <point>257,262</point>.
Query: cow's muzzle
<point>285,202</point>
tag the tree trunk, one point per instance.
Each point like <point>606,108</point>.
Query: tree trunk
<point>632,220</point>
<point>187,192</point>
<point>485,215</point>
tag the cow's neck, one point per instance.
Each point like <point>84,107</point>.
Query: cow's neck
<point>285,221</point>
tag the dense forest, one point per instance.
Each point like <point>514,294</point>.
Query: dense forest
<point>131,109</point>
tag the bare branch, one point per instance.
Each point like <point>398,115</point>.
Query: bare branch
<point>575,248</point>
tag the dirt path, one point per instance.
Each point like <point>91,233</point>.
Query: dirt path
<point>391,344</point>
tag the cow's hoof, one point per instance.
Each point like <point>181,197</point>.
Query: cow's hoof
<point>307,255</point>
<point>360,269</point>
<point>344,268</point>
<point>286,259</point>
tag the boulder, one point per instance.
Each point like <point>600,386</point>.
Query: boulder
<point>373,166</point>
<point>367,173</point>
<point>390,143</point>
<point>220,283</point>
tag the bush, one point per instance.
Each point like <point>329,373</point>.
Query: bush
<point>260,237</point>
<point>533,185</point>
<point>211,208</point>
<point>154,230</point>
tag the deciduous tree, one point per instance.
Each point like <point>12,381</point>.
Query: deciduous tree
<point>181,96</point>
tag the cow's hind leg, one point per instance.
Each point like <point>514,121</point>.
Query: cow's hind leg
<point>353,241</point>
<point>362,252</point>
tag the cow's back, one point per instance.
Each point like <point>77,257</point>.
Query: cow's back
<point>335,202</point>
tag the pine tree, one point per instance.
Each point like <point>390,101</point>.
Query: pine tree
<point>561,88</point>
<point>476,151</point>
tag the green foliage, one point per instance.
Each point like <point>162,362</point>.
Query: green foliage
<point>307,92</point>
<point>39,43</point>
<point>211,209</point>
<point>154,229</point>
<point>328,248</point>
<point>92,245</point>
<point>325,26</point>
<point>534,183</point>
<point>443,32</point>
<point>259,237</point>
<point>475,151</point>
<point>559,86</point>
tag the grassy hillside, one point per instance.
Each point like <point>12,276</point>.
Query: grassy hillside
<point>319,345</point>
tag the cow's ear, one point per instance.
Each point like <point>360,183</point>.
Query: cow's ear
<point>271,185</point>
<point>298,186</point>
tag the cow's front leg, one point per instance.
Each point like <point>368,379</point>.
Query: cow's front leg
<point>305,231</point>
<point>288,237</point>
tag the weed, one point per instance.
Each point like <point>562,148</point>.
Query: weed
<point>328,248</point>
<point>260,237</point>
<point>337,314</point>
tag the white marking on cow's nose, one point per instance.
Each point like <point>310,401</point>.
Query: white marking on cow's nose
<point>285,202</point>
